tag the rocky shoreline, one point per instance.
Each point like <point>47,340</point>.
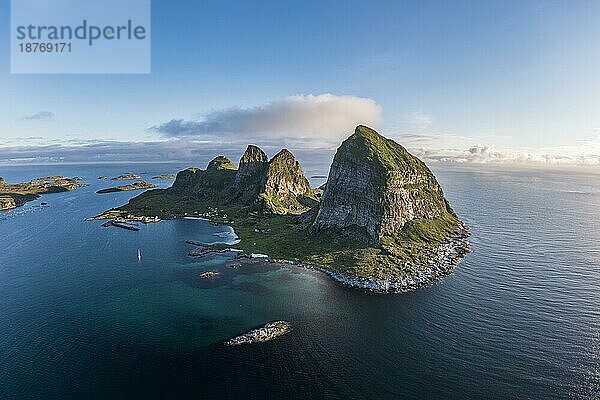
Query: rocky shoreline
<point>442,262</point>
<point>7,203</point>
<point>16,195</point>
<point>119,216</point>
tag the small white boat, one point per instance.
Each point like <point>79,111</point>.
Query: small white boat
<point>139,255</point>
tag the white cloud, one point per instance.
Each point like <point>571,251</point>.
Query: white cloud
<point>39,116</point>
<point>461,149</point>
<point>324,118</point>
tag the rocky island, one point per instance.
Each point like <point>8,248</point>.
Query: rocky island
<point>165,176</point>
<point>15,195</point>
<point>380,223</point>
<point>134,186</point>
<point>209,274</point>
<point>265,333</point>
<point>129,176</point>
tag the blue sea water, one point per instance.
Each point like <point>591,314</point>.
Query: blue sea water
<point>82,318</point>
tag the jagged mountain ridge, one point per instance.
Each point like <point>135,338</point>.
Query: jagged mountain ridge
<point>275,186</point>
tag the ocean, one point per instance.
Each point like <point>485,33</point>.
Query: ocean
<point>82,318</point>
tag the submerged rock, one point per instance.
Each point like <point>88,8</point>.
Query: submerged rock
<point>210,274</point>
<point>265,333</point>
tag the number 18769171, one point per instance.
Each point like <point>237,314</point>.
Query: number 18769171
<point>35,47</point>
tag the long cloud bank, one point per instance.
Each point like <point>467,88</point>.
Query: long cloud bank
<point>197,153</point>
<point>184,151</point>
<point>324,118</point>
<point>455,149</point>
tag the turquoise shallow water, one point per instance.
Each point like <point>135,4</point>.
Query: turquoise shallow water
<point>80,317</point>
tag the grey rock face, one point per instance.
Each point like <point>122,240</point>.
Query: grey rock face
<point>253,162</point>
<point>410,195</point>
<point>250,176</point>
<point>285,190</point>
<point>285,176</point>
<point>350,197</point>
<point>376,184</point>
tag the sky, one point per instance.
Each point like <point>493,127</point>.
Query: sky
<point>508,82</point>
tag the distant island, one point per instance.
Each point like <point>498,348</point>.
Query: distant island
<point>134,186</point>
<point>125,177</point>
<point>15,195</point>
<point>380,222</point>
<point>165,176</point>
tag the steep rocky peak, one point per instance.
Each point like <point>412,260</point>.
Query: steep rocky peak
<point>220,163</point>
<point>284,167</point>
<point>367,133</point>
<point>250,175</point>
<point>367,144</point>
<point>253,154</point>
<point>284,156</point>
<point>376,184</point>
<point>284,182</point>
